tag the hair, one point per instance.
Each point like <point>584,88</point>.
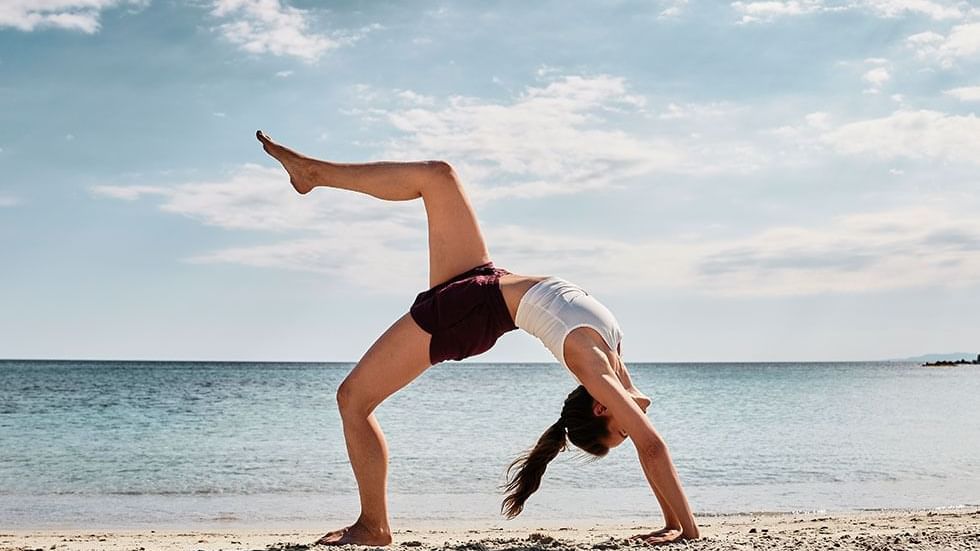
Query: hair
<point>579,424</point>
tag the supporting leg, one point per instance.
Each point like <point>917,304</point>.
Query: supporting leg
<point>400,355</point>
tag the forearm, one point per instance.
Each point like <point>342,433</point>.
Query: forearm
<point>659,470</point>
<point>670,518</point>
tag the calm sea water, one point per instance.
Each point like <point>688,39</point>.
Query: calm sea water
<point>130,443</point>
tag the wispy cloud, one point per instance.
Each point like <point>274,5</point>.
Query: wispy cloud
<point>770,10</point>
<point>939,10</point>
<point>338,232</point>
<point>271,27</point>
<point>254,197</point>
<point>765,11</point>
<point>8,201</point>
<point>571,133</point>
<point>672,9</point>
<point>76,15</point>
<point>369,244</point>
<point>553,138</point>
<point>965,93</point>
<point>863,252</point>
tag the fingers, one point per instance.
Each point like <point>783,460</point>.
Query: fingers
<point>332,538</point>
<point>660,532</point>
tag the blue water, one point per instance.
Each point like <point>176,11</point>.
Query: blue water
<point>125,443</point>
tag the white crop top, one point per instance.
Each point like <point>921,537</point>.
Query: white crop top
<point>553,308</point>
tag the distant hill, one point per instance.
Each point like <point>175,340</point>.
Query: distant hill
<point>953,356</point>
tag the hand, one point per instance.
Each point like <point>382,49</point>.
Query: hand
<point>660,537</point>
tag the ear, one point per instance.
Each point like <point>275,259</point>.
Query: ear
<point>598,409</point>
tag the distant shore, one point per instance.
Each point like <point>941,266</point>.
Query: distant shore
<point>894,530</point>
<point>951,363</point>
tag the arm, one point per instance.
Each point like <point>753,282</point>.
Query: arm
<point>654,457</point>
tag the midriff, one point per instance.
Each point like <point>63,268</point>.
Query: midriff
<point>513,287</point>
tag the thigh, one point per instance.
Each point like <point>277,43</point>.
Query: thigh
<point>399,355</point>
<point>455,239</point>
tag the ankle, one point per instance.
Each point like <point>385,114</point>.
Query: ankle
<point>374,527</point>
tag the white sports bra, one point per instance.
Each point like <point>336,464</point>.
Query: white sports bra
<point>552,308</point>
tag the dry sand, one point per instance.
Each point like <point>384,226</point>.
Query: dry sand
<point>959,529</point>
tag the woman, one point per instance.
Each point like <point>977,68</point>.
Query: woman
<point>469,305</point>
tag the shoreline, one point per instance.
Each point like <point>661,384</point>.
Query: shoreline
<point>893,529</point>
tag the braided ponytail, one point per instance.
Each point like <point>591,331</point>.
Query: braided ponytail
<point>584,429</point>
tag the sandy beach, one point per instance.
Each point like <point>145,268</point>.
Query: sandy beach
<point>889,530</point>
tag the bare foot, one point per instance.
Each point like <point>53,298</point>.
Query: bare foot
<point>298,166</point>
<point>661,537</point>
<point>355,534</point>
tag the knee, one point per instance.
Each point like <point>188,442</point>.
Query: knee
<point>350,401</point>
<point>443,172</point>
<point>347,397</point>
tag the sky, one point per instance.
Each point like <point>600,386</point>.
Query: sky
<point>737,181</point>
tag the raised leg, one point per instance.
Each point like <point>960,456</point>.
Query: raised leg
<point>398,356</point>
<point>455,240</point>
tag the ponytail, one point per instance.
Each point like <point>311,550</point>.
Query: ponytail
<point>530,467</point>
<point>578,425</point>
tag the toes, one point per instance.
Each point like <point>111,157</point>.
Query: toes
<point>266,140</point>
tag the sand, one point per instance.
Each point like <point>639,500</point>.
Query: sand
<point>951,529</point>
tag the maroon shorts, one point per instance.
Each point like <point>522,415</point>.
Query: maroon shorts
<point>465,315</point>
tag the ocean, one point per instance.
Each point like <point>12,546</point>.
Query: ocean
<point>130,444</point>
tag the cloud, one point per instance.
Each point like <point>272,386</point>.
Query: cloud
<point>254,197</point>
<point>554,138</point>
<point>862,252</point>
<point>770,10</point>
<point>905,134</point>
<point>909,134</point>
<point>696,110</point>
<point>965,93</point>
<point>8,201</point>
<point>76,15</point>
<point>371,244</point>
<point>672,9</point>
<point>342,233</point>
<point>571,133</point>
<point>876,77</point>
<point>963,41</point>
<point>270,27</point>
<point>855,253</point>
<point>928,8</point>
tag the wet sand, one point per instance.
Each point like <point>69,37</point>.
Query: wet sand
<point>889,530</point>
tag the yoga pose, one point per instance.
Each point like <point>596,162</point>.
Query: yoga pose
<point>471,303</point>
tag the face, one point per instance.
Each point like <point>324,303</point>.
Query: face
<point>617,434</point>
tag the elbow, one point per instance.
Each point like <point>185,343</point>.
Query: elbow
<point>652,447</point>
